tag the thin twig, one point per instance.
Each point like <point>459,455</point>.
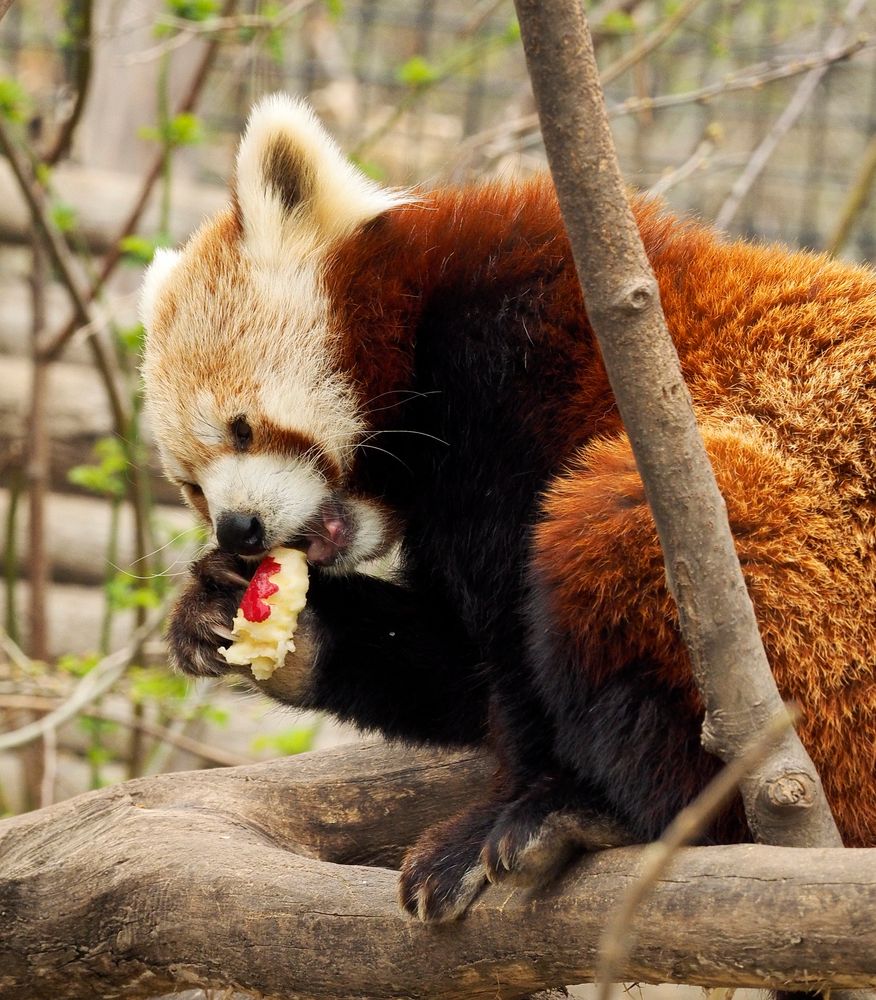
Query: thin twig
<point>150,178</point>
<point>795,107</point>
<point>855,200</point>
<point>4,7</point>
<point>82,41</point>
<point>749,78</point>
<point>215,755</point>
<point>61,259</point>
<point>696,161</point>
<point>50,768</point>
<point>649,43</point>
<point>98,680</point>
<point>523,131</point>
<point>15,653</point>
<point>617,940</point>
<point>38,457</point>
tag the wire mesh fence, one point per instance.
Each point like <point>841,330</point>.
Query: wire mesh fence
<point>430,91</point>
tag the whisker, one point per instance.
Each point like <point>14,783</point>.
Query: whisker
<point>406,430</point>
<point>161,548</point>
<point>374,447</point>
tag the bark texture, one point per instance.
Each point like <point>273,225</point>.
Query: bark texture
<point>784,801</point>
<point>263,878</point>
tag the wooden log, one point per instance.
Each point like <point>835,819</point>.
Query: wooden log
<point>78,532</point>
<point>262,878</point>
<point>75,616</point>
<point>15,314</point>
<point>77,415</point>
<point>103,197</point>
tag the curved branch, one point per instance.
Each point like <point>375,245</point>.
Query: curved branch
<point>257,877</point>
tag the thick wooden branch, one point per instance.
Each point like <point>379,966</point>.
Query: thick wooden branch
<point>784,800</point>
<point>256,877</point>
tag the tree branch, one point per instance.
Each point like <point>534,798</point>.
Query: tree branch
<point>623,303</point>
<point>254,877</point>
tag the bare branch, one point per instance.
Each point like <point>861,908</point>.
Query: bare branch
<point>795,107</point>
<point>207,752</point>
<point>83,42</point>
<point>4,8</point>
<point>855,200</point>
<point>98,680</point>
<point>651,42</point>
<point>523,131</point>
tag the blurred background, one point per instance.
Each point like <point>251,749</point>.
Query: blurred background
<point>119,120</point>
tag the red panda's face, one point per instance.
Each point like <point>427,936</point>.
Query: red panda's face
<point>254,414</point>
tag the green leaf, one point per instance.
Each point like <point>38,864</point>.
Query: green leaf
<point>370,168</point>
<point>64,216</point>
<point>512,32</point>
<point>156,684</point>
<point>274,46</point>
<point>335,8</point>
<point>140,250</point>
<point>97,728</point>
<point>417,72</point>
<point>192,10</point>
<point>125,591</point>
<point>618,22</point>
<point>214,716</point>
<point>132,338</point>
<point>185,129</point>
<point>288,743</point>
<point>107,476</point>
<point>78,664</point>
<point>14,102</point>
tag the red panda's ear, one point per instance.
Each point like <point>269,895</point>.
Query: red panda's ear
<point>294,189</point>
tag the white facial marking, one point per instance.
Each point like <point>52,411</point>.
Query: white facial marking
<point>370,537</point>
<point>155,278</point>
<point>286,493</point>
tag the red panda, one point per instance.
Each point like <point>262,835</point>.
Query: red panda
<point>345,369</point>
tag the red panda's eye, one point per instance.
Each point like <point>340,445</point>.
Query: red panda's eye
<point>193,488</point>
<point>241,433</point>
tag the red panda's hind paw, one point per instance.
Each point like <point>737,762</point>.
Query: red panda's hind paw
<point>532,841</point>
<point>442,874</point>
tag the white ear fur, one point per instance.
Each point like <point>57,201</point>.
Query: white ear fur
<point>156,275</point>
<point>295,188</point>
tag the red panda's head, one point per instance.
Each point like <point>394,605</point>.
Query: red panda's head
<point>254,415</point>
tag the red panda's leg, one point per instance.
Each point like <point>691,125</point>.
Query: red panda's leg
<point>605,647</point>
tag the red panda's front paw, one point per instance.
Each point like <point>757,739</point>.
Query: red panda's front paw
<point>200,621</point>
<point>442,873</point>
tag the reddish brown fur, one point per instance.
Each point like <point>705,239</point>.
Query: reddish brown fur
<point>779,352</point>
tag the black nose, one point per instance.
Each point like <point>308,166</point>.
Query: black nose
<point>242,534</point>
